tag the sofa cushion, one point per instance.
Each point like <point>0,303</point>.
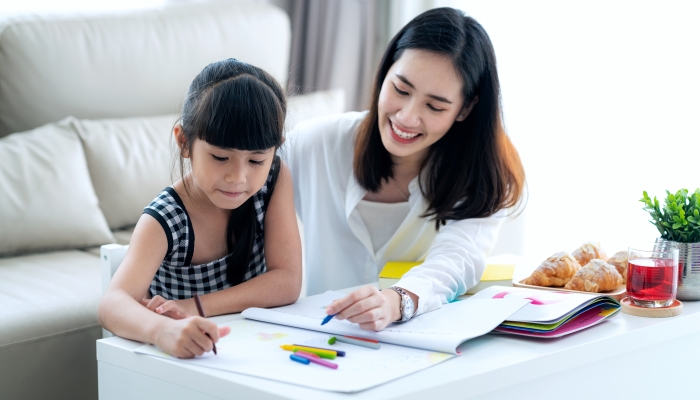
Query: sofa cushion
<point>46,198</point>
<point>47,294</point>
<point>131,159</point>
<point>48,325</point>
<point>132,63</point>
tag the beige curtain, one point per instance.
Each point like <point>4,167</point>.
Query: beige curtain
<point>338,43</point>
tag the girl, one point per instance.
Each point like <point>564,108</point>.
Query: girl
<point>426,174</point>
<point>226,231</point>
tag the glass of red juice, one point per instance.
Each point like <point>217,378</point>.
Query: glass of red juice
<point>652,274</point>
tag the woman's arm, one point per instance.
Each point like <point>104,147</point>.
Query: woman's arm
<point>281,283</point>
<point>122,313</point>
<point>455,263</point>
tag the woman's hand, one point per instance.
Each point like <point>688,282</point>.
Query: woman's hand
<point>187,338</point>
<point>371,308</point>
<point>175,309</point>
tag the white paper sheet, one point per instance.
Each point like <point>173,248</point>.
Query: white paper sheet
<point>252,348</point>
<point>441,330</point>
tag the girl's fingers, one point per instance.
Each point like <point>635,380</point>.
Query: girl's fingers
<point>224,330</point>
<point>167,306</point>
<point>155,302</point>
<point>210,328</point>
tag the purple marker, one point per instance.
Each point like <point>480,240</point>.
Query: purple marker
<point>316,359</point>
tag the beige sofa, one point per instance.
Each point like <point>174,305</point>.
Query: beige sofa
<point>87,102</point>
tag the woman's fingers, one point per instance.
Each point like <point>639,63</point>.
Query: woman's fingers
<point>355,303</point>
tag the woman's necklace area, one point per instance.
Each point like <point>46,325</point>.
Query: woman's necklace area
<point>396,185</point>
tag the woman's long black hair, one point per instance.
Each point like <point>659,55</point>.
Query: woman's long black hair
<point>235,105</point>
<point>474,170</point>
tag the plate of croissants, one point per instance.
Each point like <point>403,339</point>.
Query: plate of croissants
<point>587,269</point>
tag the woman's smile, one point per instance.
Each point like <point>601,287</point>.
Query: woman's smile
<point>403,135</point>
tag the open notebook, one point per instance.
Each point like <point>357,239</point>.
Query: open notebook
<point>552,314</point>
<point>441,330</point>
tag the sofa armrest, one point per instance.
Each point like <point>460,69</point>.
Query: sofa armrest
<point>111,255</point>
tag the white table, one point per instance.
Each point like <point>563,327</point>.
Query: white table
<point>625,357</point>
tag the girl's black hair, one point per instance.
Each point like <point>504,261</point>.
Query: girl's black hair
<point>235,105</point>
<point>474,170</point>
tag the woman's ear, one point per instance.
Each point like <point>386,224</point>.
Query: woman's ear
<point>181,141</point>
<point>466,110</point>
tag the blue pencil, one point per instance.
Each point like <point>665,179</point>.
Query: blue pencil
<point>328,318</point>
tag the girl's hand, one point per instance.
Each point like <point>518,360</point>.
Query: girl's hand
<point>187,338</point>
<point>175,309</point>
<point>369,307</point>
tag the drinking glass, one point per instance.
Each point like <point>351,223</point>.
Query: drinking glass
<point>652,274</point>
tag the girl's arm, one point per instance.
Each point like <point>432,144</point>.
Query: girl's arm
<point>281,283</point>
<point>122,313</point>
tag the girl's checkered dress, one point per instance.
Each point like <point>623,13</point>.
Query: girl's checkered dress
<point>177,278</point>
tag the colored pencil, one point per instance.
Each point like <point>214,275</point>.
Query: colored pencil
<point>359,338</point>
<point>339,353</point>
<point>201,314</point>
<point>329,354</point>
<point>316,359</point>
<point>328,318</point>
<point>299,359</point>
<point>355,342</point>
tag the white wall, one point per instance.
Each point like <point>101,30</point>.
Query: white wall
<point>601,99</point>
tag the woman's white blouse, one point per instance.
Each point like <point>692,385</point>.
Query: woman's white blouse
<point>338,247</point>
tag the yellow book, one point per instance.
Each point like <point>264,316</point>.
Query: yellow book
<point>495,274</point>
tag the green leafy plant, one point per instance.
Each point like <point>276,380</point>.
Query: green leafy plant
<point>679,219</point>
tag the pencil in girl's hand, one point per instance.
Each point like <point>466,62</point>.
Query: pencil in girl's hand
<point>201,314</point>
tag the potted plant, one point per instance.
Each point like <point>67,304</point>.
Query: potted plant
<point>679,221</point>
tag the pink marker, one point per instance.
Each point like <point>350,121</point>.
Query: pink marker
<point>316,359</point>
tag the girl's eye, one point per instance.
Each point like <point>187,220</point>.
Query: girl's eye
<point>219,159</point>
<point>401,92</point>
<point>430,106</point>
<point>257,162</point>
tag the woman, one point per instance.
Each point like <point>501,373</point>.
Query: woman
<point>426,174</point>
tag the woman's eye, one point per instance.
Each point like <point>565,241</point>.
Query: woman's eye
<point>219,159</point>
<point>430,106</point>
<point>401,92</point>
<point>256,162</point>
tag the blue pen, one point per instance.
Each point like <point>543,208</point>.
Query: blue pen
<point>328,318</point>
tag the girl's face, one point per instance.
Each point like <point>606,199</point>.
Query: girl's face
<point>228,177</point>
<point>420,99</point>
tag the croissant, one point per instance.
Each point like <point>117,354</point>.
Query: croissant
<point>596,276</point>
<point>587,252</point>
<point>619,261</point>
<point>556,270</point>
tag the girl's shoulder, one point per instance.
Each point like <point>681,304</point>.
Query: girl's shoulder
<point>167,199</point>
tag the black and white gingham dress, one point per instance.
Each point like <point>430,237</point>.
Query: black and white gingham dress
<point>177,278</point>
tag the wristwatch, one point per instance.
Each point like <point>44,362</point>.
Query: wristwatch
<point>406,307</point>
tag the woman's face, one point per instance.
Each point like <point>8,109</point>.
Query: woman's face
<point>420,99</point>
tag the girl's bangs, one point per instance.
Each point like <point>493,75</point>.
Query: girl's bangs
<point>243,114</point>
